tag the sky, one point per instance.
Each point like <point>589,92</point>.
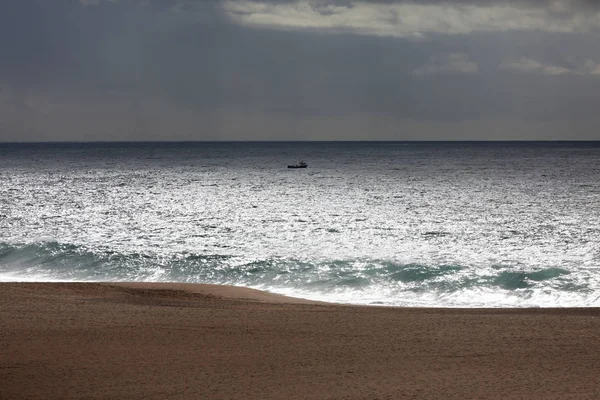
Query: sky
<point>126,70</point>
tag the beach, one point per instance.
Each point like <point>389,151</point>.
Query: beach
<point>180,341</point>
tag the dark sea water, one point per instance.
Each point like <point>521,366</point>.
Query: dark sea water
<point>411,224</point>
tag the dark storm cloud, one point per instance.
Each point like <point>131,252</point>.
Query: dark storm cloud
<point>144,70</point>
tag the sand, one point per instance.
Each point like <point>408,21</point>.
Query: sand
<point>170,341</point>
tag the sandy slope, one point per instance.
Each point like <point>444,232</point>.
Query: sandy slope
<point>158,341</point>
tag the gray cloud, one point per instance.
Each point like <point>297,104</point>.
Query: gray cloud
<point>185,70</point>
<point>457,63</point>
<point>527,65</point>
<point>415,19</point>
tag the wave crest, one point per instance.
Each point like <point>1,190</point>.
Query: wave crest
<point>349,280</point>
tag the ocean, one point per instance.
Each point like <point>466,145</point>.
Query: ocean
<point>420,224</point>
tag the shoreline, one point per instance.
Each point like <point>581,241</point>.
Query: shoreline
<point>242,293</point>
<point>158,340</point>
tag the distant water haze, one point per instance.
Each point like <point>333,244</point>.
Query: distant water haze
<point>390,223</point>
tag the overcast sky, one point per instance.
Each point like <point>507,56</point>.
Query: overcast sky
<point>108,70</point>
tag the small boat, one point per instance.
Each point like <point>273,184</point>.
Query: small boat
<point>301,164</point>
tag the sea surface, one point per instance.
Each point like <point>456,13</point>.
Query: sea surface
<point>388,223</point>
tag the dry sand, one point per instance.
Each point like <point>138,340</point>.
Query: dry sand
<point>159,341</point>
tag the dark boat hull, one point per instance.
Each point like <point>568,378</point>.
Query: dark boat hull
<point>297,166</point>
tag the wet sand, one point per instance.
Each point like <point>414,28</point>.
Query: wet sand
<point>159,341</point>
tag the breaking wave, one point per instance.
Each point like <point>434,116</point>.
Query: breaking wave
<point>358,281</point>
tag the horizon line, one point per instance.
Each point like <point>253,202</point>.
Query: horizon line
<point>300,141</point>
